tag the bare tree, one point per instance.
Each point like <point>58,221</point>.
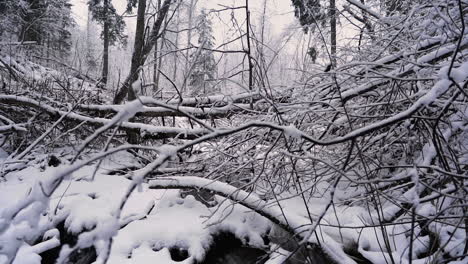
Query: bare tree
<point>141,49</point>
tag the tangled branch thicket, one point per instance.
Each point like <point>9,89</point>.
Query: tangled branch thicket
<point>373,150</point>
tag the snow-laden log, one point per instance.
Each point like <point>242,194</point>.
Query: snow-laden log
<point>292,223</point>
<point>163,132</point>
<point>217,106</point>
<point>147,131</point>
<point>198,112</point>
<point>11,128</point>
<point>218,100</point>
<point>441,87</point>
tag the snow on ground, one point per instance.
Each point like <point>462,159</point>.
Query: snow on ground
<point>150,222</point>
<point>38,74</point>
<point>155,220</point>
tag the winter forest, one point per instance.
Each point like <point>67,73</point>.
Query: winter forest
<point>233,131</point>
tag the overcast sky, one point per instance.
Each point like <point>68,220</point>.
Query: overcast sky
<point>280,13</point>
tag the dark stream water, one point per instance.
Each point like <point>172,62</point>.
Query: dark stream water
<point>226,249</point>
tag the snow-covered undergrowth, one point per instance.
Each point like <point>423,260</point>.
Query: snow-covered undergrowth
<point>150,223</point>
<point>365,163</point>
<point>266,177</point>
<point>17,70</point>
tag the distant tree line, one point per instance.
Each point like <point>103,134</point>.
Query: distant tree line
<point>45,22</point>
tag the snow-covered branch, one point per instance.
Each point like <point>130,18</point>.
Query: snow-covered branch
<point>198,112</point>
<point>294,224</point>
<point>147,131</point>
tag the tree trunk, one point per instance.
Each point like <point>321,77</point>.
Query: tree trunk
<point>156,64</point>
<point>249,54</point>
<point>90,49</point>
<point>333,33</point>
<point>176,44</point>
<point>155,70</point>
<point>162,44</point>
<point>141,49</point>
<point>191,9</point>
<point>105,53</point>
<point>137,48</point>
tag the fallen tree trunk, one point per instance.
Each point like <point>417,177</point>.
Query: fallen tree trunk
<point>217,100</point>
<point>145,130</point>
<point>198,112</point>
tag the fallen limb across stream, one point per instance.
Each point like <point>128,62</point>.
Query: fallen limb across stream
<point>292,223</point>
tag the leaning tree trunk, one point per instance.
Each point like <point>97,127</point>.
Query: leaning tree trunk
<point>141,49</point>
<point>137,48</point>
